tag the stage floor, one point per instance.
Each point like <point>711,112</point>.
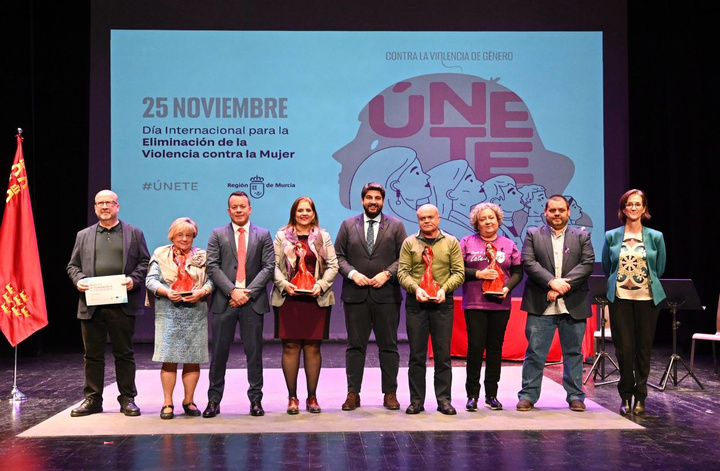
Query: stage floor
<point>550,413</point>
<point>679,431</point>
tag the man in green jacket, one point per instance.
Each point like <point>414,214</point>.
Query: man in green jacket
<point>429,315</point>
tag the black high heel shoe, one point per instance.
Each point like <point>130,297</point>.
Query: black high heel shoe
<point>167,415</point>
<point>191,412</point>
<point>625,408</point>
<point>639,408</point>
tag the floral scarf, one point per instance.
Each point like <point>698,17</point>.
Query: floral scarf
<point>194,265</point>
<point>315,242</point>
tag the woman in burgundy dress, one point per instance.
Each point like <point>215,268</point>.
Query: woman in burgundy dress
<point>305,267</point>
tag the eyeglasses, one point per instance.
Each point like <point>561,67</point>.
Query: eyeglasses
<point>109,204</point>
<point>633,205</point>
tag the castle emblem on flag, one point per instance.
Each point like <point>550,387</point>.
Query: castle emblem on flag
<point>18,180</point>
<point>14,302</point>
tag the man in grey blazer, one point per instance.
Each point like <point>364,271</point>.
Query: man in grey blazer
<point>109,247</point>
<point>240,297</point>
<point>367,247</point>
<point>558,261</point>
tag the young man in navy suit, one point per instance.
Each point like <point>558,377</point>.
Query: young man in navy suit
<point>240,297</point>
<point>367,247</point>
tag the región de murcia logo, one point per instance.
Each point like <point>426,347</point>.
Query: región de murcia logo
<point>257,186</point>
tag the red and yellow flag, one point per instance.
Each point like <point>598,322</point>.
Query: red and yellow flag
<point>22,298</point>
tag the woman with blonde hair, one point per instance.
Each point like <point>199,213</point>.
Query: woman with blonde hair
<point>487,256</point>
<point>178,280</point>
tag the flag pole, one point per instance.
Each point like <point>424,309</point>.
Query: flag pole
<point>15,394</point>
<point>23,301</point>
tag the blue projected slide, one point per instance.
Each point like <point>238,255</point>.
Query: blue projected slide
<point>448,118</point>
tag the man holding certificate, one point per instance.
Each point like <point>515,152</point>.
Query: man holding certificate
<point>108,267</point>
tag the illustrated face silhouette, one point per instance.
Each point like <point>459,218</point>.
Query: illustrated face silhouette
<point>536,204</point>
<point>413,183</point>
<point>512,199</point>
<point>576,209</point>
<point>469,191</point>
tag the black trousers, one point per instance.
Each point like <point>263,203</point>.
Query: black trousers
<point>632,324</point>
<point>251,333</point>
<point>435,321</point>
<point>109,321</point>
<point>361,319</point>
<point>486,332</point>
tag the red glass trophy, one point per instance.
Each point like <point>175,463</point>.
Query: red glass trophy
<point>494,287</point>
<point>304,281</point>
<point>428,283</point>
<point>184,284</point>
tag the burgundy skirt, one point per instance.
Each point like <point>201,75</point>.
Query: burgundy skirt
<point>300,317</point>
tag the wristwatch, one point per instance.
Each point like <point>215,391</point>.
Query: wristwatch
<point>388,273</point>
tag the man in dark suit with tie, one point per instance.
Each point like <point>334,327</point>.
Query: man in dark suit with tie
<point>558,261</point>
<point>241,262</point>
<point>367,247</point>
<point>110,247</point>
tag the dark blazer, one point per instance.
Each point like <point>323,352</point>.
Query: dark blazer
<point>135,260</point>
<point>539,264</point>
<point>222,266</point>
<point>654,250</point>
<point>352,254</point>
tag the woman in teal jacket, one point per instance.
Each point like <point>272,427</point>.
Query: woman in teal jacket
<point>633,260</point>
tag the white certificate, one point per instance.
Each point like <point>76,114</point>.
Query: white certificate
<point>106,290</point>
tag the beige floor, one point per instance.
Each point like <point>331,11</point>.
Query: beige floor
<point>551,412</point>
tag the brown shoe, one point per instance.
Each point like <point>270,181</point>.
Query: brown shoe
<point>576,405</point>
<point>293,406</point>
<point>390,401</point>
<point>353,401</point>
<point>524,405</point>
<point>312,405</point>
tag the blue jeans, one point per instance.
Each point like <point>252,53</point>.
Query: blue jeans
<point>539,331</point>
